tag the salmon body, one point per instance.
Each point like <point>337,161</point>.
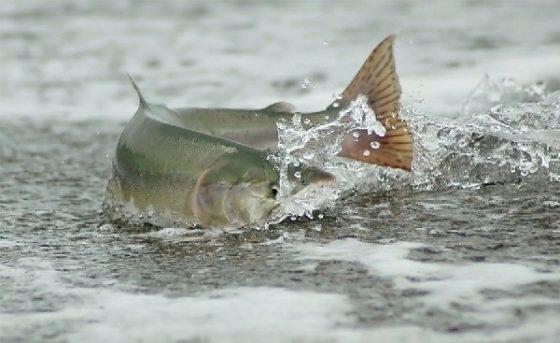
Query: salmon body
<point>209,167</point>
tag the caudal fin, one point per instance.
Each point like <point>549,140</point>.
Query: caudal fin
<point>377,79</point>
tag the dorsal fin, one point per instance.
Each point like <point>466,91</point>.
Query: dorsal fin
<point>143,102</point>
<point>281,107</point>
<point>377,79</point>
<point>156,111</point>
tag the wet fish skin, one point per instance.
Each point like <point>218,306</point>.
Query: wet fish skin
<point>209,166</point>
<point>254,128</point>
<point>176,172</point>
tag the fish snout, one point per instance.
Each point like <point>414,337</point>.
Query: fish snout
<point>252,203</point>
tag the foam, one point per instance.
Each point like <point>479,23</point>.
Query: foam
<point>447,285</point>
<point>445,282</point>
<point>225,315</point>
<point>239,314</point>
<point>233,315</point>
<point>8,244</point>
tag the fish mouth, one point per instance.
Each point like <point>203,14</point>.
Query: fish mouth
<point>277,214</point>
<point>263,209</point>
<point>318,192</point>
<point>250,203</point>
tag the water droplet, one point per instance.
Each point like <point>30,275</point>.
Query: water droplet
<point>366,152</point>
<point>335,104</point>
<point>297,175</point>
<point>320,216</point>
<point>293,218</point>
<point>296,119</point>
<point>436,232</point>
<point>295,163</point>
<point>374,145</point>
<point>307,121</point>
<point>356,134</point>
<point>305,84</point>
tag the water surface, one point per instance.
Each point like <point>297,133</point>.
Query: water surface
<point>467,249</point>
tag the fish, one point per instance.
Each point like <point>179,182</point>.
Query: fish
<point>208,167</point>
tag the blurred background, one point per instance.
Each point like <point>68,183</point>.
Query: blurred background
<point>69,58</point>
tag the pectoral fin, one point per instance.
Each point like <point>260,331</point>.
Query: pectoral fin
<point>377,79</point>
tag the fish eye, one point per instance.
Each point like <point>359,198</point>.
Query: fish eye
<point>274,191</point>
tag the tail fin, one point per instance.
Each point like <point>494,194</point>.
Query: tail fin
<point>377,79</point>
<point>143,102</point>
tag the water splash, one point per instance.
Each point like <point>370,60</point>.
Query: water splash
<point>304,145</point>
<point>491,92</point>
<point>514,141</point>
<point>508,133</point>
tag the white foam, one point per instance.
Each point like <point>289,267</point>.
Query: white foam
<point>236,314</point>
<point>232,315</point>
<point>445,282</point>
<point>172,232</point>
<point>447,285</point>
<point>269,314</point>
<point>8,244</point>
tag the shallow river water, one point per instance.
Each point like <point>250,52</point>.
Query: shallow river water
<point>465,249</point>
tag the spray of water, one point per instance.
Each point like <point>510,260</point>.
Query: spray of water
<point>302,145</point>
<point>513,136</point>
<point>507,133</point>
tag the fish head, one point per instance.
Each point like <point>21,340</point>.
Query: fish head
<point>250,203</point>
<point>253,196</point>
<point>256,199</point>
<point>243,190</point>
<point>236,192</point>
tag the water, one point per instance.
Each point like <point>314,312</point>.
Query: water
<point>467,248</point>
